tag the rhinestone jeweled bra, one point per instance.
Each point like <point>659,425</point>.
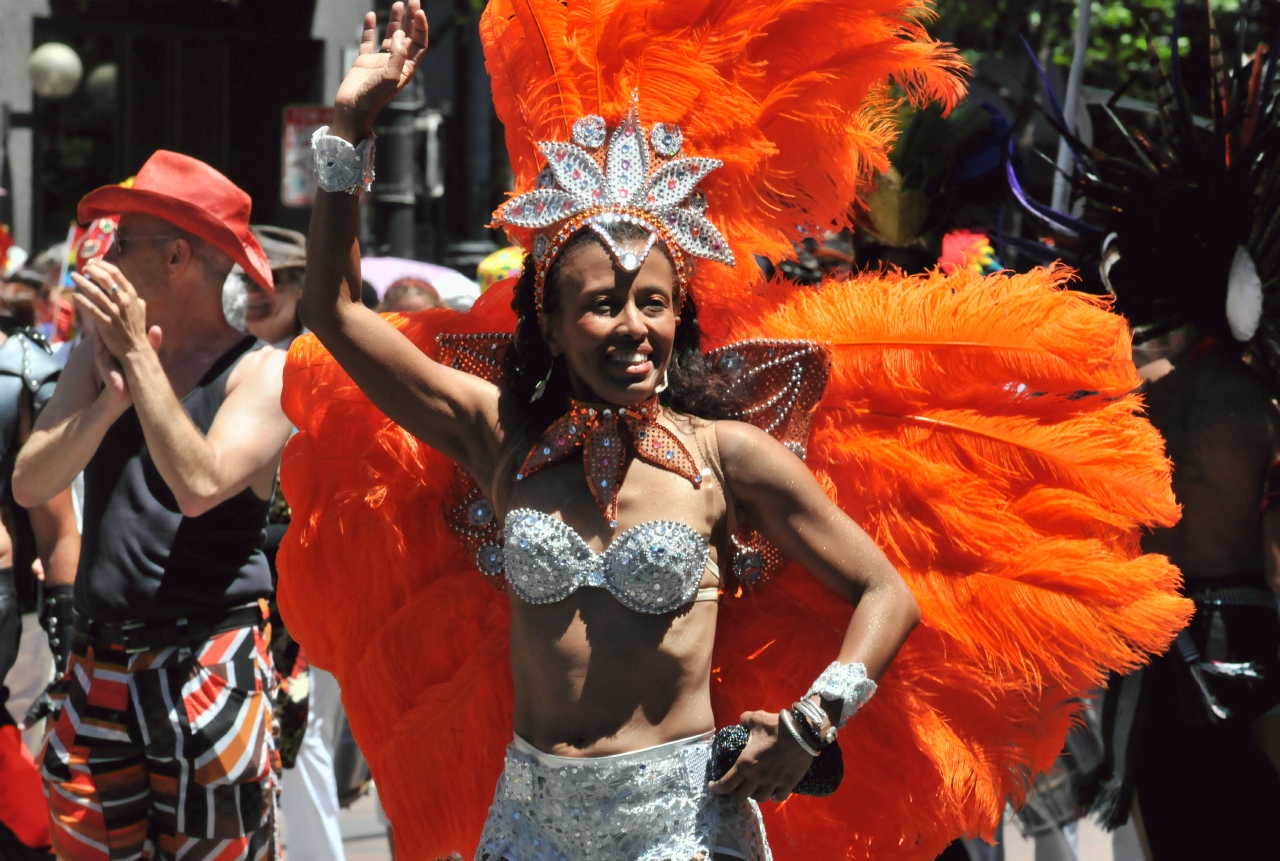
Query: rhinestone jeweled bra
<point>654,567</point>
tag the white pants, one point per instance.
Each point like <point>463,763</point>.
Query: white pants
<point>309,798</point>
<point>29,676</point>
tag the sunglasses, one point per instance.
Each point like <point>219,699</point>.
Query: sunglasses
<point>123,240</point>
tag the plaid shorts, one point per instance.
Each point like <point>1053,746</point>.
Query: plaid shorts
<point>165,754</point>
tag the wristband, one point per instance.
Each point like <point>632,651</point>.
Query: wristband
<point>341,166</point>
<point>844,683</point>
<point>56,604</point>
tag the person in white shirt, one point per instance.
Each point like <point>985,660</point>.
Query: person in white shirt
<point>309,797</point>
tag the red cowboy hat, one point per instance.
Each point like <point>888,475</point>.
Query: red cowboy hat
<point>192,196</point>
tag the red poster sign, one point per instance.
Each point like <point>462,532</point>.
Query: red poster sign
<point>297,174</point>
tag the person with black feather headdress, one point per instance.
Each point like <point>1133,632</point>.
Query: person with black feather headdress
<point>1182,216</point>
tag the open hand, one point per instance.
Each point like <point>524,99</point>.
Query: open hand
<point>378,75</point>
<point>769,767</point>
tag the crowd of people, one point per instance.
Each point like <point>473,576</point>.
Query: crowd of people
<point>696,489</point>
<point>191,553</point>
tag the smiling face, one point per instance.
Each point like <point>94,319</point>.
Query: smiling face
<point>274,316</point>
<point>615,329</point>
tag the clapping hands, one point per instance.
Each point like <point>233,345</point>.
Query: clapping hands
<point>118,317</point>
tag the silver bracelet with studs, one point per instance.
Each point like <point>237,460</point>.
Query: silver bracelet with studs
<point>844,683</point>
<point>341,166</point>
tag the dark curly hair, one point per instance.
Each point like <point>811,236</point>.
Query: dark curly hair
<point>694,386</point>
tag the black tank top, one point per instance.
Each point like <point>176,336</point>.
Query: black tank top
<point>140,557</point>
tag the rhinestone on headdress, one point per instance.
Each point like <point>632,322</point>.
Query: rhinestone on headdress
<point>666,139</point>
<point>590,131</point>
<point>638,178</point>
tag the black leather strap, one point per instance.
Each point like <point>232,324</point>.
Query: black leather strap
<point>151,635</point>
<point>1236,596</point>
<point>56,618</point>
<point>25,354</point>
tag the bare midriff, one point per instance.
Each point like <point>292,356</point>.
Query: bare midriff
<point>593,677</point>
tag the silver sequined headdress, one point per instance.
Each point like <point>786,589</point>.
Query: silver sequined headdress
<point>638,178</point>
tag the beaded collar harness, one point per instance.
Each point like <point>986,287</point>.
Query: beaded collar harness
<point>639,178</point>
<point>609,438</point>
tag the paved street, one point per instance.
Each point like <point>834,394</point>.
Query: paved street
<point>363,836</point>
<point>1095,844</point>
<point>365,840</point>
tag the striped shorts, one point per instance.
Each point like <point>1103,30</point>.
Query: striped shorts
<point>165,754</point>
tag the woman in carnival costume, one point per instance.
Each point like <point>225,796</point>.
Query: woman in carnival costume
<point>662,463</point>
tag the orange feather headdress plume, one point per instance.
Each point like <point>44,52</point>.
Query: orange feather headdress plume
<point>783,103</point>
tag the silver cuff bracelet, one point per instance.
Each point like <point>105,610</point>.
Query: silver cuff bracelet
<point>846,683</point>
<point>341,166</point>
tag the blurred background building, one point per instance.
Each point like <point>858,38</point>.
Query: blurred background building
<point>90,88</point>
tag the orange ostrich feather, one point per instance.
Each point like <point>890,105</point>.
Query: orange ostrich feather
<point>982,430</point>
<point>792,95</point>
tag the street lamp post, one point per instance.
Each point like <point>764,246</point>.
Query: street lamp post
<point>6,196</point>
<point>393,187</point>
<point>55,70</point>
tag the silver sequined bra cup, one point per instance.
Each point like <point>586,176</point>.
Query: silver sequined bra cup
<point>654,567</point>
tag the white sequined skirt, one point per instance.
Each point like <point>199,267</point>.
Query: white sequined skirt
<point>648,805</point>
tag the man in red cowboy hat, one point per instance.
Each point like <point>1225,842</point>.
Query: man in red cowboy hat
<point>163,743</point>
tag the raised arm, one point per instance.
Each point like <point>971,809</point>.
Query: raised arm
<point>452,411</point>
<point>242,447</point>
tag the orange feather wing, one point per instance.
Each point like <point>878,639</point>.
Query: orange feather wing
<point>981,430</point>
<point>384,595</point>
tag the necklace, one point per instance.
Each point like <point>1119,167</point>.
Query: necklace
<point>609,437</point>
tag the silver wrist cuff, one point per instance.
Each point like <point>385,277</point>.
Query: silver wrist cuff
<point>846,683</point>
<point>341,166</point>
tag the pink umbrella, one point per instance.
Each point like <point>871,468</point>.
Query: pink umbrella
<point>456,290</point>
